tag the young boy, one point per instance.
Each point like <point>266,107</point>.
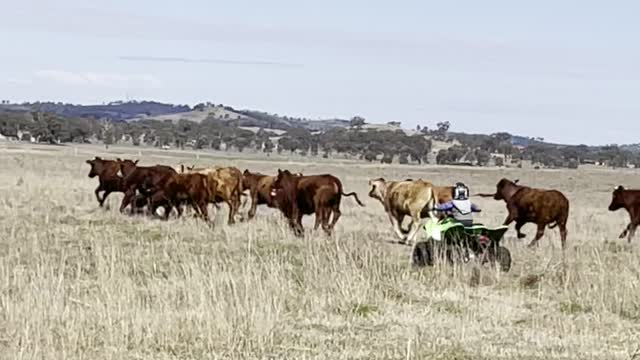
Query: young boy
<point>460,207</point>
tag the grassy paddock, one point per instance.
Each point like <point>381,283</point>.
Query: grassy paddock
<point>79,282</point>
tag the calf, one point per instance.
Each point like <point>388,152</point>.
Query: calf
<point>183,188</point>
<point>538,206</point>
<point>630,201</point>
<point>297,196</point>
<point>413,198</point>
<point>107,173</point>
<point>144,179</point>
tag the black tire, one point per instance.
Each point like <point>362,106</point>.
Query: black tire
<point>502,257</point>
<point>423,254</point>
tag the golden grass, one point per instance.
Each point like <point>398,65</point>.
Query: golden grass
<point>79,282</point>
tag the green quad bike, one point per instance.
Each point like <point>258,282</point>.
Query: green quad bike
<point>451,240</point>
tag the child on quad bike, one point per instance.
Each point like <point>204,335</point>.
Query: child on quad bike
<point>460,207</point>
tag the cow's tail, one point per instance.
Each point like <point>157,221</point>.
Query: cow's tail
<point>354,195</point>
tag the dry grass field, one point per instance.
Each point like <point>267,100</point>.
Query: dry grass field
<point>80,282</point>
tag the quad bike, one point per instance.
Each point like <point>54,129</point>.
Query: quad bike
<point>451,240</point>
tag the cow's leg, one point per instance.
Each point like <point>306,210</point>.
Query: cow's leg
<point>296,223</point>
<point>625,231</point>
<point>336,215</point>
<point>325,221</point>
<point>97,192</point>
<point>320,218</point>
<point>563,235</point>
<point>396,221</point>
<point>104,196</point>
<point>204,211</point>
<point>128,196</point>
<point>539,234</point>
<point>231,220</point>
<point>519,225</point>
<point>254,204</point>
<point>167,210</point>
<point>632,231</point>
<point>415,227</point>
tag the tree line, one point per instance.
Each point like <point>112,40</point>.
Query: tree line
<point>352,140</point>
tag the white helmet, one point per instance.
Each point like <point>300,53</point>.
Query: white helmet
<point>460,191</point>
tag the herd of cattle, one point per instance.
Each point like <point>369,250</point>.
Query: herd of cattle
<point>296,195</point>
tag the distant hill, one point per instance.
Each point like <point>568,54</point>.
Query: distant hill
<point>117,111</point>
<point>150,110</point>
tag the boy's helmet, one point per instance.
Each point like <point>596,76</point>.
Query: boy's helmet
<point>460,191</point>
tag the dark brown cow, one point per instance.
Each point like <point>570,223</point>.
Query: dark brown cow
<point>630,201</point>
<point>144,179</point>
<point>528,205</point>
<point>259,186</point>
<point>192,189</point>
<point>297,196</point>
<point>107,173</point>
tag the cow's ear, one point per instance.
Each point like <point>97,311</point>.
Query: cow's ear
<point>98,158</point>
<point>279,171</point>
<point>89,162</point>
<point>118,159</point>
<point>136,162</point>
<point>516,181</point>
<point>619,188</point>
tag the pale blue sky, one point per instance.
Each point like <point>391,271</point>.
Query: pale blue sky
<point>568,71</point>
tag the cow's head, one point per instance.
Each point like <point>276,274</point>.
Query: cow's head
<point>283,191</point>
<point>127,166</point>
<point>97,164</point>
<point>505,189</point>
<point>617,199</point>
<point>378,188</point>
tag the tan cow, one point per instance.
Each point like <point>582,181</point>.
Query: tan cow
<point>443,194</point>
<point>404,198</point>
<point>225,185</point>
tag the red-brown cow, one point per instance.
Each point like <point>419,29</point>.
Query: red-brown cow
<point>297,196</point>
<point>528,205</point>
<point>259,186</point>
<point>107,173</point>
<point>183,188</point>
<point>630,201</point>
<point>144,179</point>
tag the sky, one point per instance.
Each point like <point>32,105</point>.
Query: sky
<point>567,71</point>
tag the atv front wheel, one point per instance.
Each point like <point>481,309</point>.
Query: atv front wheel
<point>502,257</point>
<point>423,254</point>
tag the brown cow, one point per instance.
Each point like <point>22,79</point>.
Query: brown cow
<point>144,179</point>
<point>538,206</point>
<point>297,196</point>
<point>259,186</point>
<point>630,201</point>
<point>107,173</point>
<point>225,185</point>
<point>414,198</point>
<point>183,188</point>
